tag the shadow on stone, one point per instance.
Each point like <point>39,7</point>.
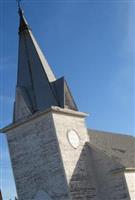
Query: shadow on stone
<point>98,177</point>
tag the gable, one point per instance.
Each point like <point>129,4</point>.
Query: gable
<point>63,94</point>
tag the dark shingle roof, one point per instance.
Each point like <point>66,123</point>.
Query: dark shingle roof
<point>119,147</point>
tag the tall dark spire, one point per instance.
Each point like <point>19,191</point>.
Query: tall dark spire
<point>37,87</point>
<point>23,24</point>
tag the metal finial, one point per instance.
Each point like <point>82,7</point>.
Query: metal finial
<point>18,4</point>
<point>19,7</point>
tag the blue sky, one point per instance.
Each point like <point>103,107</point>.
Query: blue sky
<point>92,43</point>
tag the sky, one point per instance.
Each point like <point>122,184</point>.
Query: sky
<point>92,44</point>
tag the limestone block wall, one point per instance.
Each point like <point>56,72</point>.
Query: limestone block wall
<point>111,182</point>
<point>45,163</point>
<point>77,163</point>
<point>36,159</point>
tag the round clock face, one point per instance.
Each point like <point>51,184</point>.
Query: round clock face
<point>73,138</point>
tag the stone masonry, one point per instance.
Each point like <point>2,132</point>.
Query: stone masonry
<point>36,159</point>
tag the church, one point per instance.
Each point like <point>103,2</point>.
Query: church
<point>54,155</point>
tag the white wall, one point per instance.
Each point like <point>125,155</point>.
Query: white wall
<point>130,178</point>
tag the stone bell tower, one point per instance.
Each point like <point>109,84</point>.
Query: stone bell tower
<point>47,139</point>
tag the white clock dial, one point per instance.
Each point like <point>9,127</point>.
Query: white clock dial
<point>73,138</point>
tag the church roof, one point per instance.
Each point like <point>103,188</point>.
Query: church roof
<point>119,147</point>
<point>37,86</point>
<point>26,36</point>
<point>34,73</point>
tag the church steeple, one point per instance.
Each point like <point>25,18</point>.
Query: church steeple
<point>23,24</point>
<point>47,137</point>
<point>37,87</point>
